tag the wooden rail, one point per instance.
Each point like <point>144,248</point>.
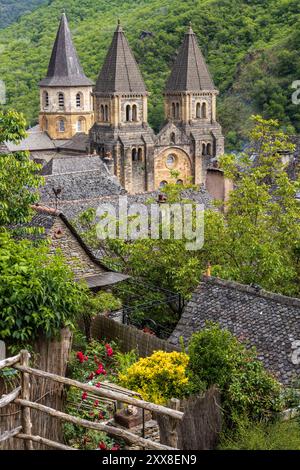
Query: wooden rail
<point>114,395</point>
<point>21,396</point>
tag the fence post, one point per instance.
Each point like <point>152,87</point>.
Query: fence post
<point>25,395</point>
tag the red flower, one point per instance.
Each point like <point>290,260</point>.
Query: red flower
<point>92,413</point>
<point>98,385</point>
<point>100,370</point>
<point>91,376</point>
<point>96,402</point>
<point>115,447</point>
<point>84,396</point>
<point>102,446</point>
<point>109,350</point>
<point>100,415</point>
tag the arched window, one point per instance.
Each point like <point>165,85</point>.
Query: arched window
<point>102,113</point>
<point>45,99</point>
<point>172,138</point>
<point>134,155</point>
<point>198,111</point>
<point>204,110</point>
<point>61,125</point>
<point>134,113</point>
<point>209,149</point>
<point>140,154</point>
<point>106,114</point>
<point>203,149</point>
<point>177,110</point>
<point>162,184</point>
<point>80,126</point>
<point>79,100</point>
<point>128,113</point>
<point>173,110</point>
<point>170,161</point>
<point>61,100</point>
<point>179,182</point>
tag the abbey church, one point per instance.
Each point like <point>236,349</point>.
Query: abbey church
<point>110,120</point>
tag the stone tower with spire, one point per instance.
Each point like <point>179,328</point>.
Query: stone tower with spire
<point>66,106</point>
<point>191,131</point>
<point>121,134</point>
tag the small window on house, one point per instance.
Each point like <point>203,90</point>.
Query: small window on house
<point>61,100</point>
<point>128,113</point>
<point>46,99</point>
<point>172,138</point>
<point>134,155</point>
<point>198,111</point>
<point>204,110</point>
<point>162,184</point>
<point>79,100</point>
<point>171,161</point>
<point>140,154</point>
<point>134,113</point>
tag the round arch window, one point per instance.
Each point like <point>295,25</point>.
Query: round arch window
<point>171,160</point>
<point>163,184</point>
<point>179,181</point>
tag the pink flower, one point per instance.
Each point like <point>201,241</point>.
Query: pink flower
<point>98,385</point>
<point>84,396</point>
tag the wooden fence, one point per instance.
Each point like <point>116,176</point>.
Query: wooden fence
<point>21,396</point>
<point>129,337</point>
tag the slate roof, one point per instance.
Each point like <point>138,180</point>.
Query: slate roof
<point>270,322</point>
<point>120,72</point>
<point>46,217</point>
<point>68,163</point>
<point>190,72</point>
<point>36,140</point>
<point>64,67</point>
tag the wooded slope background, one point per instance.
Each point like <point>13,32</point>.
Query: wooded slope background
<point>252,48</point>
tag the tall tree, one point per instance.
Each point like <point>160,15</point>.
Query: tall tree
<point>18,173</point>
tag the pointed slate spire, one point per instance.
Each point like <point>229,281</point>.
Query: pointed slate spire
<point>190,72</point>
<point>64,67</point>
<point>120,72</point>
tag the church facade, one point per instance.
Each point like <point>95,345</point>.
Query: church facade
<point>115,113</point>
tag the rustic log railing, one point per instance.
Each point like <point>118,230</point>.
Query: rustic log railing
<point>21,396</point>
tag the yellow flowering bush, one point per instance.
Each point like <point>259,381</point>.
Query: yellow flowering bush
<point>158,377</point>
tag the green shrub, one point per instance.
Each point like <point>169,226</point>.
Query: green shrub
<point>158,377</point>
<point>38,294</point>
<point>217,357</point>
<point>262,436</point>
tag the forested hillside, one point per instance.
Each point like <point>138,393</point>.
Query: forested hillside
<point>252,47</point>
<point>11,10</point>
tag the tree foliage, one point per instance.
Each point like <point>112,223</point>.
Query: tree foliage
<point>18,173</point>
<point>38,294</point>
<point>251,48</point>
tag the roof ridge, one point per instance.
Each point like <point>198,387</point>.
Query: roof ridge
<point>280,298</point>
